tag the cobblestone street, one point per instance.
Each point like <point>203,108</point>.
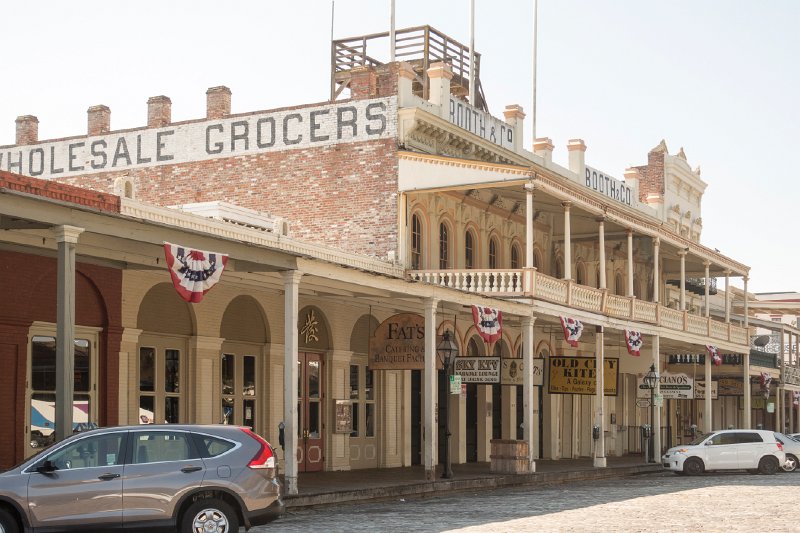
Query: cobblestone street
<point>656,502</point>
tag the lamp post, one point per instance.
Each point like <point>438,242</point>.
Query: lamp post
<point>650,382</point>
<point>447,351</point>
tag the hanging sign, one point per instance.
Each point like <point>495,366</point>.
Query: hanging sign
<point>730,387</point>
<point>398,343</point>
<point>478,369</point>
<point>512,372</point>
<point>672,386</point>
<point>700,390</point>
<point>577,375</point>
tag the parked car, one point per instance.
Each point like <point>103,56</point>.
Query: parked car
<point>187,478</point>
<point>732,449</point>
<point>791,446</point>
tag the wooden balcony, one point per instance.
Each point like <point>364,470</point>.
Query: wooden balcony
<point>529,283</point>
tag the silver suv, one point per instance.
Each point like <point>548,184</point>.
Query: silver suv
<point>186,478</point>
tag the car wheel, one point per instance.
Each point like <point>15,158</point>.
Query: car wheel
<point>791,463</point>
<point>694,466</point>
<point>768,465</point>
<point>8,524</point>
<point>210,515</point>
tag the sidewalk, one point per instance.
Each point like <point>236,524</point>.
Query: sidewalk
<point>328,488</point>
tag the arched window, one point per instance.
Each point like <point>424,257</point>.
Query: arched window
<point>416,243</point>
<point>444,247</point>
<point>559,273</point>
<point>537,260</point>
<point>597,277</point>
<point>514,256</point>
<point>469,250</point>
<point>619,285</point>
<point>493,253</point>
<point>473,348</point>
<point>637,287</point>
<point>580,274</point>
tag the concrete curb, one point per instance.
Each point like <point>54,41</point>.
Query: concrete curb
<point>443,487</point>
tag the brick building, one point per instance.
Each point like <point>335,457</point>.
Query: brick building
<point>404,202</point>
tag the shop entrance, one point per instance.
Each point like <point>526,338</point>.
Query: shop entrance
<point>310,449</point>
<point>472,423</point>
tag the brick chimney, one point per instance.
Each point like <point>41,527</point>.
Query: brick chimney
<point>363,82</point>
<point>159,111</point>
<point>27,129</point>
<point>218,102</point>
<point>99,120</point>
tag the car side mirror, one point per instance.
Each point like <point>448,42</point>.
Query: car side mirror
<point>46,467</point>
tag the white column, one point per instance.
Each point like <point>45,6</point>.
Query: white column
<point>707,413</point>
<point>778,409</point>
<point>656,394</point>
<point>599,419</point>
<point>747,391</point>
<point>682,254</point>
<point>727,296</point>
<point>529,188</point>
<point>567,242</point>
<point>602,257</point>
<point>656,280</point>
<point>746,305</point>
<point>530,421</point>
<point>67,238</point>
<point>630,263</point>
<point>429,387</point>
<point>707,295</point>
<point>291,285</point>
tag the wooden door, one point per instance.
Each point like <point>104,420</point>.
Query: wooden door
<point>310,408</point>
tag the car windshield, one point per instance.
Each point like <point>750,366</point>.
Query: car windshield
<point>700,438</point>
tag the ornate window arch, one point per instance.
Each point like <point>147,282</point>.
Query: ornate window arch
<point>416,242</point>
<point>469,249</point>
<point>494,252</point>
<point>444,246</point>
<point>515,256</point>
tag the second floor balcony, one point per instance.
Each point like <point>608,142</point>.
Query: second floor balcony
<point>529,283</point>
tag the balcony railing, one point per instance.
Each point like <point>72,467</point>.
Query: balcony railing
<point>529,283</point>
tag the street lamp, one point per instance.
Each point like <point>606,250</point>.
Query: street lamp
<point>650,380</point>
<point>447,350</point>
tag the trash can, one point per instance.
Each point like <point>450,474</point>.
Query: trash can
<point>509,456</point>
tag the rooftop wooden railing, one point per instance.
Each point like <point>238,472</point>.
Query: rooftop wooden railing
<point>529,283</point>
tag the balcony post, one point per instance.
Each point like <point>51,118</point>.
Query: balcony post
<point>727,296</point>
<point>567,241</point>
<point>746,311</point>
<point>528,286</point>
<point>747,424</point>
<point>630,263</point>
<point>530,422</point>
<point>599,447</point>
<point>682,254</point>
<point>656,281</point>
<point>429,389</point>
<point>707,408</point>
<point>602,251</point>
<point>656,393</point>
<point>707,264</point>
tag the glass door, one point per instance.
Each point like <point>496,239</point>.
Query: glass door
<point>310,449</point>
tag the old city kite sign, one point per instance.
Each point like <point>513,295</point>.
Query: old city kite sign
<point>193,272</point>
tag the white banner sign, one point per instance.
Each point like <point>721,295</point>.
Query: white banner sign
<point>478,369</point>
<point>511,372</point>
<point>673,387</point>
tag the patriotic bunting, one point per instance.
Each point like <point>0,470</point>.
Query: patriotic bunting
<point>796,398</point>
<point>193,272</point>
<point>572,330</point>
<point>488,321</point>
<point>765,380</point>
<point>634,341</point>
<point>716,358</point>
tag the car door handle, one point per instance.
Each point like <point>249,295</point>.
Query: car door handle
<point>107,477</point>
<point>190,469</point>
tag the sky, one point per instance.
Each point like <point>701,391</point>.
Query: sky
<point>716,77</point>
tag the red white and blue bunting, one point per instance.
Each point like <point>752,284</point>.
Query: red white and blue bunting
<point>193,272</point>
<point>716,358</point>
<point>489,322</point>
<point>796,398</point>
<point>572,330</point>
<point>765,380</point>
<point>634,341</point>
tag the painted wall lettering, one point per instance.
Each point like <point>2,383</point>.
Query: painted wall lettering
<point>481,124</point>
<point>611,187</point>
<point>321,125</point>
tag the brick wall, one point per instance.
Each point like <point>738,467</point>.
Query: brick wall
<point>341,195</point>
<point>28,285</point>
<point>652,180</point>
<point>58,191</point>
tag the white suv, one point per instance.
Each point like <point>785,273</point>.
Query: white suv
<point>753,450</point>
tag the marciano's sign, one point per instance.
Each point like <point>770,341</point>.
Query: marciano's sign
<point>271,131</point>
<point>578,375</point>
<point>398,343</point>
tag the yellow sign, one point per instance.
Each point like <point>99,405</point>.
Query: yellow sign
<point>578,375</point>
<point>731,387</point>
